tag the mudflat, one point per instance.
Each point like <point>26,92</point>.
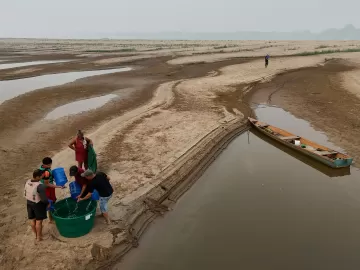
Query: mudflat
<point>173,106</point>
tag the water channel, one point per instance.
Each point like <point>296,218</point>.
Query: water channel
<point>79,106</point>
<point>25,64</point>
<point>13,88</point>
<point>259,206</point>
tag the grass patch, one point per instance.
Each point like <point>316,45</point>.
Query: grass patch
<point>321,47</point>
<point>220,47</point>
<point>222,51</point>
<point>268,46</point>
<point>111,51</point>
<point>156,49</point>
<point>326,52</point>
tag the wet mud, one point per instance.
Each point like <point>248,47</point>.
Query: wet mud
<point>266,95</point>
<point>317,96</point>
<point>25,138</point>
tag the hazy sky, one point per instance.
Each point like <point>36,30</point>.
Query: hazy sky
<point>77,18</point>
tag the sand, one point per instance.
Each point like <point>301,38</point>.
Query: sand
<point>351,81</point>
<point>320,97</point>
<point>164,127</point>
<point>170,132</point>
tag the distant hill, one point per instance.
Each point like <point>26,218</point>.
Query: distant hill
<point>349,32</point>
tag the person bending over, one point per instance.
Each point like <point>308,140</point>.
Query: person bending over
<point>101,182</point>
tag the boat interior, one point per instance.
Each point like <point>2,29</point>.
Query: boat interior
<point>300,142</point>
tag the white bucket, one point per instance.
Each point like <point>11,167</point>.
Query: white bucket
<point>297,143</point>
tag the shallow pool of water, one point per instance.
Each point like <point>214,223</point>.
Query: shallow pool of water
<point>24,64</point>
<point>13,88</point>
<point>280,118</point>
<point>79,106</point>
<point>258,207</point>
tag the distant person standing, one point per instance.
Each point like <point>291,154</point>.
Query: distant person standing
<point>36,201</point>
<point>101,182</point>
<point>267,60</point>
<point>80,145</point>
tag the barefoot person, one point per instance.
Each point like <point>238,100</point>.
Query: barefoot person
<point>101,182</point>
<point>48,181</point>
<point>37,202</point>
<point>80,145</point>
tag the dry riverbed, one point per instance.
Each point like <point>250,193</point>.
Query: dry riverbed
<point>173,118</point>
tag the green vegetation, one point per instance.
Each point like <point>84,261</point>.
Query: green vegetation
<point>220,47</point>
<point>321,47</point>
<point>127,50</point>
<point>156,49</point>
<point>111,51</point>
<point>268,46</point>
<point>222,51</point>
<point>293,49</point>
<point>326,52</point>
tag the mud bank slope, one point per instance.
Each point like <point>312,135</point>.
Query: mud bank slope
<point>326,97</point>
<point>148,151</point>
<point>22,128</point>
<point>150,204</point>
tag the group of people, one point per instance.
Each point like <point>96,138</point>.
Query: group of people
<point>90,181</point>
<point>40,190</point>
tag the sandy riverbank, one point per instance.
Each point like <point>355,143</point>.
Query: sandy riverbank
<point>174,118</point>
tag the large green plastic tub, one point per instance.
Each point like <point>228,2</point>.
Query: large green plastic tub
<point>73,223</point>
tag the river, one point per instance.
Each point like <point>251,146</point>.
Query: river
<point>259,207</point>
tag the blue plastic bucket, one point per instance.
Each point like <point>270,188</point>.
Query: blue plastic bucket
<point>95,195</point>
<point>75,189</point>
<point>59,176</point>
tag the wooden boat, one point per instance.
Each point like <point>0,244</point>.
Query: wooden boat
<point>321,167</point>
<point>318,152</point>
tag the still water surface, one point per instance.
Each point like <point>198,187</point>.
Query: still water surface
<point>14,88</point>
<point>25,64</point>
<point>79,106</point>
<point>259,207</point>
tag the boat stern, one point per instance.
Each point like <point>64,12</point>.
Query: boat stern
<point>340,163</point>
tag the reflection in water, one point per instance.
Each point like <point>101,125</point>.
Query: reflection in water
<point>79,106</point>
<point>13,88</point>
<point>256,208</point>
<point>24,64</point>
<point>285,120</point>
<point>307,160</point>
<point>282,119</point>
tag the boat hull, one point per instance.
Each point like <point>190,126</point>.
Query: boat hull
<point>309,161</point>
<point>341,163</point>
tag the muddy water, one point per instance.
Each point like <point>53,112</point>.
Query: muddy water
<point>79,106</point>
<point>258,207</point>
<point>13,88</point>
<point>282,119</point>
<point>24,64</point>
